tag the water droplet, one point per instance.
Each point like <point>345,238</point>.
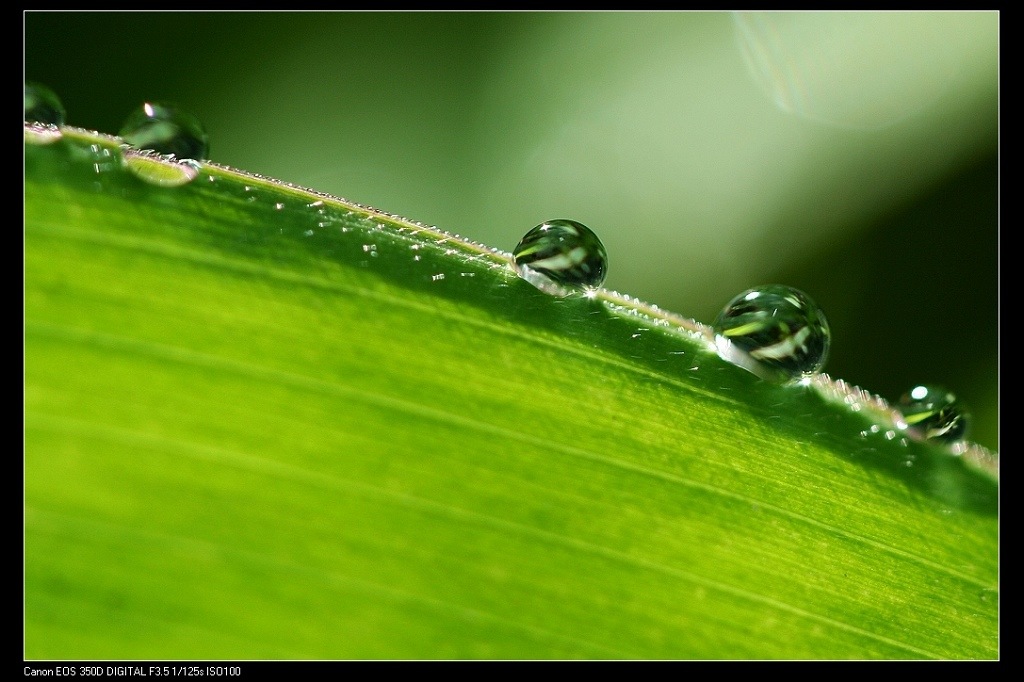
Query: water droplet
<point>561,257</point>
<point>42,105</point>
<point>935,413</point>
<point>775,331</point>
<point>43,115</point>
<point>102,159</point>
<point>162,171</point>
<point>166,129</point>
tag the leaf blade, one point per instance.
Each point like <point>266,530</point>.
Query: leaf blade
<point>370,461</point>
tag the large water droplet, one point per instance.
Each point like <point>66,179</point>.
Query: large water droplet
<point>561,257</point>
<point>935,413</point>
<point>42,105</point>
<point>166,129</point>
<point>775,331</point>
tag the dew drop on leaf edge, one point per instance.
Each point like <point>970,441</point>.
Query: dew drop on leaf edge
<point>166,129</point>
<point>42,105</point>
<point>775,327</point>
<point>935,413</point>
<point>561,257</point>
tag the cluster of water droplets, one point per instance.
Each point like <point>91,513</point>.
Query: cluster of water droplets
<point>774,331</point>
<point>163,144</point>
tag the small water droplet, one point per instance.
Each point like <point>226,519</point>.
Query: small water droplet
<point>166,129</point>
<point>779,328</point>
<point>102,159</point>
<point>437,277</point>
<point>561,257</point>
<point>935,413</point>
<point>369,248</point>
<point>42,105</point>
<point>162,171</point>
<point>308,233</point>
<point>279,205</point>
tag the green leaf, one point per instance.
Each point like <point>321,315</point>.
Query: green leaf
<point>266,423</point>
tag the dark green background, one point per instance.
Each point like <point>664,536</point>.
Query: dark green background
<point>397,110</point>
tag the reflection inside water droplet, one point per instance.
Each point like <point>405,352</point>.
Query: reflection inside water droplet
<point>162,171</point>
<point>934,413</point>
<point>561,257</point>
<point>774,331</point>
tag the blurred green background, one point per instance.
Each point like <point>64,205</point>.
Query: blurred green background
<point>852,155</point>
